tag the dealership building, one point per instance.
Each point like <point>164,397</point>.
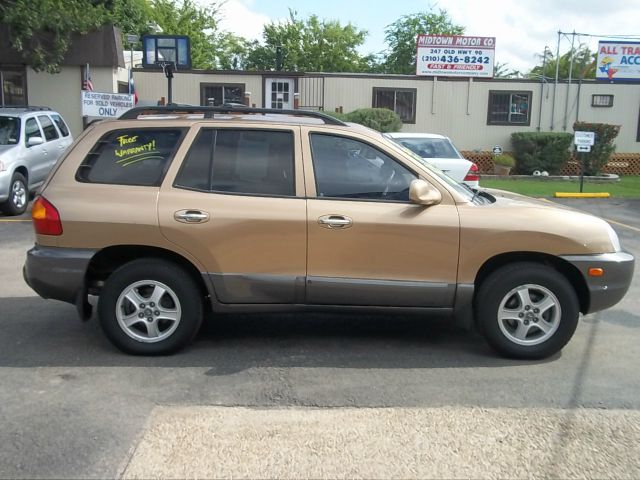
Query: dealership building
<point>477,113</point>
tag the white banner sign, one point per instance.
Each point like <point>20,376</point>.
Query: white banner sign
<point>618,61</point>
<point>455,56</point>
<point>105,105</point>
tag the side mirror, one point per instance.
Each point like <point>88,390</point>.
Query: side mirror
<point>423,193</point>
<point>33,141</point>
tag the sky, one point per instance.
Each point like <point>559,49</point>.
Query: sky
<point>522,28</point>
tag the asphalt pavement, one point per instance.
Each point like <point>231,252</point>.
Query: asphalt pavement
<point>286,395</point>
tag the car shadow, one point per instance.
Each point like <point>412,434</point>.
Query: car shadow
<point>39,333</point>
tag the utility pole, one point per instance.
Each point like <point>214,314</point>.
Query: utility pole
<point>566,103</point>
<point>555,85</point>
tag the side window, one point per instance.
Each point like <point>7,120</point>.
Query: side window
<point>138,156</point>
<point>348,168</point>
<point>195,172</point>
<point>258,162</point>
<point>31,129</point>
<point>50,132</point>
<point>64,130</point>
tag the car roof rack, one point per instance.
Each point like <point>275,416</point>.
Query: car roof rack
<point>208,112</point>
<point>26,108</point>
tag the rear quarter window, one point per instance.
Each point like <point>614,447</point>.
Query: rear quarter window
<point>64,130</point>
<point>131,156</point>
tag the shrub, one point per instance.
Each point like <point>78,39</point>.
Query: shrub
<point>544,151</point>
<point>380,119</point>
<point>602,149</point>
<point>504,160</point>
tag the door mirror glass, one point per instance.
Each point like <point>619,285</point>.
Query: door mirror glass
<point>33,141</point>
<point>423,193</point>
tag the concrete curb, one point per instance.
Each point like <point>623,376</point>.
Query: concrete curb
<point>607,178</point>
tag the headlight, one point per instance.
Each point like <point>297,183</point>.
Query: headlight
<point>613,236</point>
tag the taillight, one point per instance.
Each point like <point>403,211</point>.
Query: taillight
<point>473,175</point>
<point>46,219</point>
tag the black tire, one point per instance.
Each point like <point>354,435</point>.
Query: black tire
<point>10,206</point>
<point>537,281</point>
<point>181,286</point>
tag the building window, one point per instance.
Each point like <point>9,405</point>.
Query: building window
<point>602,100</point>
<point>14,87</point>
<point>217,94</point>
<point>400,100</point>
<point>509,108</point>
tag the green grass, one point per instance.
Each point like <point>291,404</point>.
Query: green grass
<point>627,187</point>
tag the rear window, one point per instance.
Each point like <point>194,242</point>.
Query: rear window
<point>429,147</point>
<point>131,157</point>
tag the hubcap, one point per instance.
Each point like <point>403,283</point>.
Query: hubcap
<point>529,314</point>
<point>148,311</point>
<point>18,194</point>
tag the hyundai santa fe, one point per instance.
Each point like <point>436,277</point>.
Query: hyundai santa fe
<point>172,211</point>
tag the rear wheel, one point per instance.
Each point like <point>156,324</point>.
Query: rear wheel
<point>150,307</point>
<point>18,199</point>
<point>527,310</point>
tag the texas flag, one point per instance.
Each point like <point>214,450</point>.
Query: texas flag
<point>132,89</point>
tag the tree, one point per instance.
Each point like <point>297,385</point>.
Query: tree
<point>402,34</point>
<point>187,18</point>
<point>41,30</point>
<point>584,64</point>
<point>131,16</point>
<point>502,70</point>
<point>311,45</point>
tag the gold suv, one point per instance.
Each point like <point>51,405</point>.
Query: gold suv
<point>169,211</point>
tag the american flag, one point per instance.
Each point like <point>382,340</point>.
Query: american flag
<point>87,84</point>
<point>132,88</point>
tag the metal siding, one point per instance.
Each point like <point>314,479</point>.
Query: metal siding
<point>151,86</point>
<point>470,131</point>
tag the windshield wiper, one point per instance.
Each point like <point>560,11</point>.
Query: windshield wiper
<point>473,191</point>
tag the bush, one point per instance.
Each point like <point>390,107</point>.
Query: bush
<point>544,151</point>
<point>504,160</point>
<point>602,149</point>
<point>380,119</point>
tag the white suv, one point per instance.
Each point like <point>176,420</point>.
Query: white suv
<point>32,139</point>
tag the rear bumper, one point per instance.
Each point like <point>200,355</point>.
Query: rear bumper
<point>609,289</point>
<point>57,273</point>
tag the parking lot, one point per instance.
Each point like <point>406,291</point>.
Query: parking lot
<point>315,395</point>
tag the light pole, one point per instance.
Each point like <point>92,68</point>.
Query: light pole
<point>132,39</point>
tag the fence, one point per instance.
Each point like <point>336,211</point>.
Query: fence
<point>620,163</point>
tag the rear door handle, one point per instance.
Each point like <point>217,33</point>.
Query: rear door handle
<point>335,221</point>
<point>191,216</point>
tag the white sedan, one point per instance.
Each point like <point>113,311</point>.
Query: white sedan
<point>439,151</point>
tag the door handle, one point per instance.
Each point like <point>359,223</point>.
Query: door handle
<point>191,216</point>
<point>335,221</point>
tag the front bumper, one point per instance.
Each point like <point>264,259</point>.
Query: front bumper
<point>607,290</point>
<point>57,273</point>
<point>5,185</point>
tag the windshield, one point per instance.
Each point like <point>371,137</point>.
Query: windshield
<point>430,147</point>
<point>461,189</point>
<point>9,130</point>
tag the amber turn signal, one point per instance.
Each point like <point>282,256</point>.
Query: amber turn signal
<point>596,272</point>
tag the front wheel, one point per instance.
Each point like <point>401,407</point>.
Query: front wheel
<point>150,307</point>
<point>527,310</point>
